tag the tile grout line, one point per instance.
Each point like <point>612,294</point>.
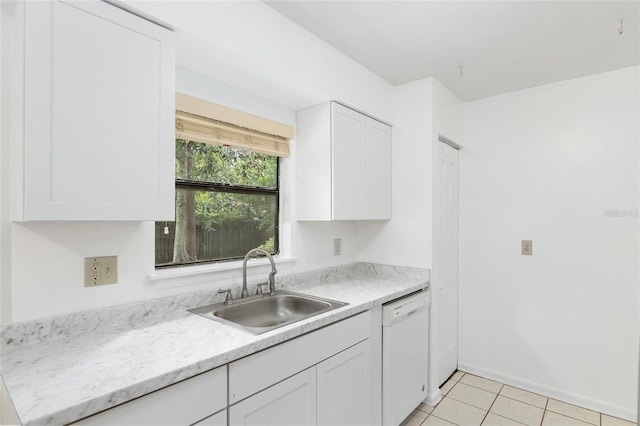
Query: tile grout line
<point>499,394</point>
<point>530,405</point>
<point>575,418</point>
<point>476,387</point>
<point>491,406</point>
<point>513,399</point>
<point>515,421</point>
<point>461,402</point>
<point>544,413</point>
<point>502,385</point>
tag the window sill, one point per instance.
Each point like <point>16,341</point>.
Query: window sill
<point>195,270</point>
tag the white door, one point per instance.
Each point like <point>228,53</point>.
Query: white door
<point>445,263</point>
<point>344,385</point>
<point>291,402</point>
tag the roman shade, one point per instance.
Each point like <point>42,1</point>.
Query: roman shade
<point>201,121</point>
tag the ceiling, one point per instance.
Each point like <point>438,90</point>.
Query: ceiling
<point>476,48</point>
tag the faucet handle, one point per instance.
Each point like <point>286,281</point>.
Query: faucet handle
<point>259,289</point>
<point>228,298</point>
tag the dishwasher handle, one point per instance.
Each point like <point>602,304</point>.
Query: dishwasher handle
<point>408,314</point>
<point>395,312</point>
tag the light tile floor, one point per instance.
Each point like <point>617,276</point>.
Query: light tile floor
<point>470,400</point>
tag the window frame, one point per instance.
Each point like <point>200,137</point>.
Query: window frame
<point>217,187</point>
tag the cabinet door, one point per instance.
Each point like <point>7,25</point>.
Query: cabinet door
<point>376,186</point>
<point>290,402</point>
<point>218,419</point>
<point>99,114</point>
<point>344,387</point>
<point>347,138</point>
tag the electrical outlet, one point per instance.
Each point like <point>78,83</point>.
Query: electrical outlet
<point>94,271</point>
<point>337,246</point>
<point>100,270</point>
<point>527,247</point>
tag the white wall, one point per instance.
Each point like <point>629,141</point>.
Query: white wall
<point>251,35</point>
<point>42,263</point>
<point>448,114</point>
<point>422,110</point>
<point>406,239</point>
<point>42,266</point>
<point>47,258</point>
<point>553,164</point>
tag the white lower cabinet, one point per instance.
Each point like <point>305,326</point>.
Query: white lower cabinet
<point>333,392</point>
<point>290,402</point>
<point>218,419</point>
<point>344,387</point>
<point>192,401</point>
<point>321,378</point>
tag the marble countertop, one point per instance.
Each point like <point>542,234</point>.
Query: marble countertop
<point>63,369</point>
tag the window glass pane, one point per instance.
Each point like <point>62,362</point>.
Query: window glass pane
<point>221,164</point>
<point>215,226</point>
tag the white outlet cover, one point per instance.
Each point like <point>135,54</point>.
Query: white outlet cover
<point>527,247</point>
<point>337,246</point>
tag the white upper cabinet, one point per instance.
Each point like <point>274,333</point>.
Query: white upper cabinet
<point>347,143</point>
<point>343,165</point>
<point>376,182</point>
<point>99,95</point>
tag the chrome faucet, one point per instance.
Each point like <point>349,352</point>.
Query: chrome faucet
<point>272,274</point>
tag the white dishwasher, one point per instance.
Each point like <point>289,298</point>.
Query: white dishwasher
<point>405,347</point>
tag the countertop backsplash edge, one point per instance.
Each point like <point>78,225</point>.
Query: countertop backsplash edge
<point>136,314</point>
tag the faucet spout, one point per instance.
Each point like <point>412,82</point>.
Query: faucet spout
<point>272,274</point>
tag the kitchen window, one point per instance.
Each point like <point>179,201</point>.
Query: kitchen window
<point>227,185</point>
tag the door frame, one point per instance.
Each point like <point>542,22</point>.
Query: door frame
<point>434,325</point>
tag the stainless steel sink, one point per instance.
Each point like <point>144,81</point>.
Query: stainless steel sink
<point>259,314</point>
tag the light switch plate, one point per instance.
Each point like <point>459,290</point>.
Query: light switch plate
<point>100,270</point>
<point>527,247</point>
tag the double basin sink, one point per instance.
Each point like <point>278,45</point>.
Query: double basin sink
<point>262,313</point>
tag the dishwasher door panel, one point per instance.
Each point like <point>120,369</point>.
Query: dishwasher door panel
<point>404,361</point>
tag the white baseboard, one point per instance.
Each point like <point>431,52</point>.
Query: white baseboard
<point>551,392</point>
<point>433,398</point>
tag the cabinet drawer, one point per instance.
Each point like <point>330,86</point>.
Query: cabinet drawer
<point>185,403</point>
<point>258,371</point>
